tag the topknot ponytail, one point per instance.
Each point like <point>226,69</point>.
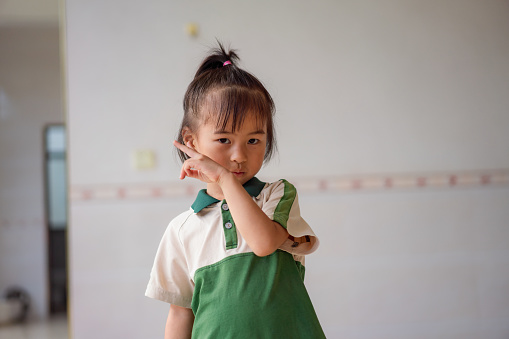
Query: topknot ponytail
<point>217,58</point>
<point>225,94</point>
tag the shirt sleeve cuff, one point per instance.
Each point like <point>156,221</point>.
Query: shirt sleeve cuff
<point>156,292</point>
<point>304,248</point>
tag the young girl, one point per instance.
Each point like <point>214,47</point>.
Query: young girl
<point>232,266</point>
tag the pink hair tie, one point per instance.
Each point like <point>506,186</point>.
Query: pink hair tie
<point>227,62</point>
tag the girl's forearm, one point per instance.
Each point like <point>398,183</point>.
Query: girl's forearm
<point>262,234</point>
<point>179,324</point>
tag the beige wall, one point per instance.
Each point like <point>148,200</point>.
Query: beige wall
<point>414,91</point>
<point>30,99</point>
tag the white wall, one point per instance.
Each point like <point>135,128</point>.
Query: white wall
<point>362,88</point>
<point>430,264</point>
<point>29,100</point>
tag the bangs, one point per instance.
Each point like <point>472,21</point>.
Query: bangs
<point>229,106</point>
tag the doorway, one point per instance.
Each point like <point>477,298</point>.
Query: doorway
<point>56,215</point>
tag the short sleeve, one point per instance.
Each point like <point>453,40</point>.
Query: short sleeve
<point>170,280</point>
<point>281,204</point>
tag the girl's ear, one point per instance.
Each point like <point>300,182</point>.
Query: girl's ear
<point>188,137</point>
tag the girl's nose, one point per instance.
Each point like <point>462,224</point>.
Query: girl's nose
<point>239,154</point>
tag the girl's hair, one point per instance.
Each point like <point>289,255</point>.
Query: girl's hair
<point>223,92</point>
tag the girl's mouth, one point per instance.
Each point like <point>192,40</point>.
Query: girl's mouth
<point>238,174</point>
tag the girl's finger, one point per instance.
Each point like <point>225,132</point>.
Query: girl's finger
<point>182,173</point>
<point>187,150</point>
<point>187,171</point>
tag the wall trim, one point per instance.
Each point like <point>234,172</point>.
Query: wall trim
<point>328,184</point>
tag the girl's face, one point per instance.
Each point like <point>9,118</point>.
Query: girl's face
<point>241,152</point>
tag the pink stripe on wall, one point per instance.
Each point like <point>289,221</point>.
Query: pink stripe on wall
<point>350,183</point>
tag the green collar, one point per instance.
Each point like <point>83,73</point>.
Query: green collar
<point>253,187</point>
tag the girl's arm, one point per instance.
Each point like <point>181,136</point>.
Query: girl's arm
<point>179,323</point>
<point>263,235</point>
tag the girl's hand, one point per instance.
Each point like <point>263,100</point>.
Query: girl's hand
<point>199,166</point>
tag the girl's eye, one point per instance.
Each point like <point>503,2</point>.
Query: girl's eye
<point>253,141</point>
<point>224,141</point>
